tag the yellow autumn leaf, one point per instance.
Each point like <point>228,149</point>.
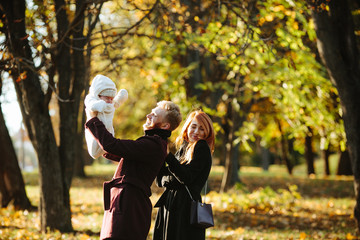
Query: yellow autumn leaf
<point>240,230</point>
<point>269,18</point>
<point>303,235</point>
<point>39,48</point>
<point>279,8</point>
<point>349,236</point>
<point>84,237</point>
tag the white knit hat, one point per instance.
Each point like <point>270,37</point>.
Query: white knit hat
<point>108,92</point>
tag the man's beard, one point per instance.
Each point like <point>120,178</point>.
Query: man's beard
<point>152,126</point>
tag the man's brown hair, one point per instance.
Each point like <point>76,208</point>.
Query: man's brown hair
<point>172,115</point>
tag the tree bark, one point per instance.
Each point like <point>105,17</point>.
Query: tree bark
<point>71,86</point>
<point>66,102</point>
<point>34,108</point>
<point>56,164</point>
<point>233,121</point>
<point>309,154</point>
<point>81,66</point>
<point>325,157</point>
<point>228,179</point>
<point>338,50</point>
<point>344,166</point>
<point>284,152</point>
<point>12,187</point>
<point>265,158</point>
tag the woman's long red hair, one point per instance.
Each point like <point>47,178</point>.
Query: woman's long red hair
<point>205,121</point>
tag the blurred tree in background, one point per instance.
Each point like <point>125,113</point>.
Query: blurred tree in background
<point>253,66</point>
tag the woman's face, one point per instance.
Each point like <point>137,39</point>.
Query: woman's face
<point>195,131</point>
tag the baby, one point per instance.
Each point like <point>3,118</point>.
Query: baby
<point>102,98</point>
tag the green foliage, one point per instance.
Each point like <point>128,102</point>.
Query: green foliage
<point>266,55</point>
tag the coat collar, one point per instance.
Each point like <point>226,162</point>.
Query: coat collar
<point>164,134</point>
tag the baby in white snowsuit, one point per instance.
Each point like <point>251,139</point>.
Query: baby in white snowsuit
<point>102,98</point>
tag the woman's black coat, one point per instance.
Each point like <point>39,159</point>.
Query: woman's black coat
<point>173,217</point>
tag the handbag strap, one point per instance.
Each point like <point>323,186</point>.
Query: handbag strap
<point>205,191</point>
<point>187,189</point>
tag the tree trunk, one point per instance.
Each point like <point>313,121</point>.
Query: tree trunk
<point>292,153</point>
<point>338,50</point>
<point>191,83</point>
<point>235,156</point>
<point>344,166</point>
<point>192,57</point>
<point>54,214</point>
<point>231,167</point>
<point>72,75</point>
<point>284,152</point>
<point>263,153</point>
<point>227,142</point>
<point>81,68</point>
<point>325,157</point>
<point>233,122</point>
<point>309,154</point>
<point>56,164</point>
<point>12,187</point>
<point>81,155</point>
<point>265,158</point>
<point>67,102</point>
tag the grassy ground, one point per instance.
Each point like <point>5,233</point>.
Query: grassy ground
<point>267,205</point>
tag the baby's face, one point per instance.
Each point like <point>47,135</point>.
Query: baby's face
<point>106,99</point>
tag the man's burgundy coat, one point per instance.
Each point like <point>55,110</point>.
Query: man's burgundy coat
<point>126,197</point>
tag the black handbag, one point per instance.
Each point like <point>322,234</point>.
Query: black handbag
<point>201,214</point>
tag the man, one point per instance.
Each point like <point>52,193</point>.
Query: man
<point>126,197</point>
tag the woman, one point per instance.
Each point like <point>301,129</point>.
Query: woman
<point>190,166</point>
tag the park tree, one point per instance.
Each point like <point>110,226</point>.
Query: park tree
<point>257,54</point>
<point>185,68</point>
<point>231,58</point>
<point>12,187</point>
<point>336,25</point>
<point>44,52</point>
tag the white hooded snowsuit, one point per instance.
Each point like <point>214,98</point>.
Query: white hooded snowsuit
<point>105,110</point>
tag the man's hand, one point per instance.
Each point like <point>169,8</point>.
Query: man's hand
<point>90,114</point>
<point>93,114</point>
